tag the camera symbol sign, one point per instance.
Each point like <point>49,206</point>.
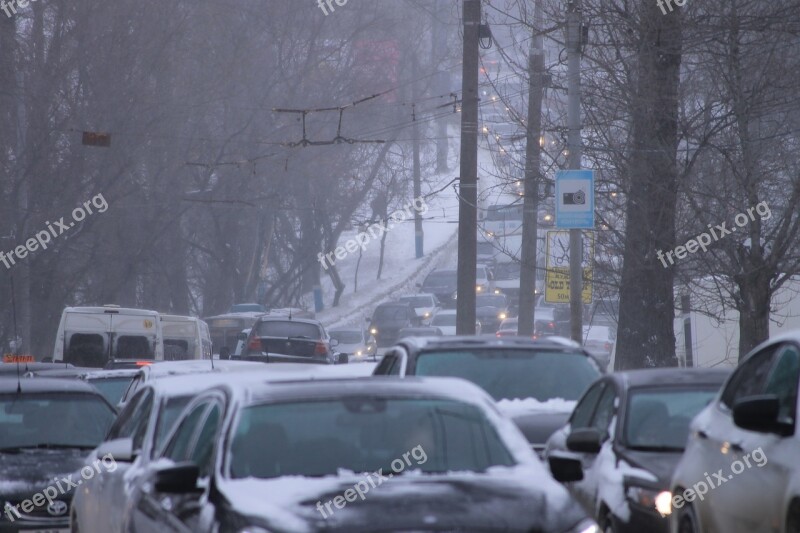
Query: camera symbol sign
<point>575,199</point>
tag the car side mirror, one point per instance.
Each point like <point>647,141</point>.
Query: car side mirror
<point>334,343</point>
<point>119,449</point>
<point>178,478</point>
<point>565,467</point>
<point>586,440</point>
<point>758,413</point>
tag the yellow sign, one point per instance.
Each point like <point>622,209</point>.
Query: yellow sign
<point>556,280</point>
<point>148,324</point>
<point>11,358</point>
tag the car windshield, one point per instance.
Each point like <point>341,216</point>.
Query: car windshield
<point>53,420</point>
<point>490,300</point>
<point>390,312</point>
<point>658,419</point>
<point>441,278</point>
<point>248,308</point>
<point>346,336</point>
<point>514,373</point>
<point>444,320</point>
<point>287,328</point>
<point>418,301</point>
<point>363,434</point>
<point>507,271</point>
<point>112,389</point>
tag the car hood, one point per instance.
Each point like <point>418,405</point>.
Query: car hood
<point>538,426</point>
<point>29,471</point>
<point>513,500</point>
<point>660,464</point>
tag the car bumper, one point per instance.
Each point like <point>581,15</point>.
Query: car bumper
<point>29,526</point>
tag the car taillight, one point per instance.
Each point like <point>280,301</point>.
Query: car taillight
<point>254,344</point>
<point>551,325</point>
<point>320,349</point>
<point>608,346</point>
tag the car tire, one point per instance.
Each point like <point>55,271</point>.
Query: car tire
<point>793,517</point>
<point>687,520</point>
<point>608,524</point>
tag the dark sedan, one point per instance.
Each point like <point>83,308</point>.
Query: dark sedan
<point>629,430</point>
<point>389,318</point>
<point>537,383</point>
<point>47,427</point>
<point>370,455</point>
<point>291,340</point>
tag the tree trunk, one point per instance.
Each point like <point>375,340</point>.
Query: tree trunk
<point>753,313</point>
<point>646,333</point>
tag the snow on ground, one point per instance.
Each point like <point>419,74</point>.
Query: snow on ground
<point>401,270</point>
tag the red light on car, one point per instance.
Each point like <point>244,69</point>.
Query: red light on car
<point>320,349</point>
<point>254,344</point>
<point>144,363</point>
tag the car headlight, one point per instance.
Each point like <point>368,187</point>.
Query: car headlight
<point>479,288</point>
<point>585,526</point>
<point>502,316</point>
<point>660,500</point>
<point>358,352</point>
<point>426,314</point>
<point>374,331</point>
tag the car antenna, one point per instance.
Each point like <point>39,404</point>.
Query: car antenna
<point>290,313</point>
<point>19,384</point>
<point>212,360</point>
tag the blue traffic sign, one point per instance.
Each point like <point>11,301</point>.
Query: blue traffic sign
<point>575,199</point>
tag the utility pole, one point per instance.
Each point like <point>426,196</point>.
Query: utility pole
<point>530,209</point>
<point>418,235</point>
<point>468,182</point>
<point>442,80</point>
<point>574,38</point>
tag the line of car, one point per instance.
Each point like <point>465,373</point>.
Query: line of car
<point>247,446</point>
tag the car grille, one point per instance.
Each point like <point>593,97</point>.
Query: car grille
<point>40,513</point>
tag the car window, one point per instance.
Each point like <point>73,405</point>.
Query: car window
<point>782,382</point>
<point>751,376</point>
<point>585,408</point>
<point>133,419</point>
<point>179,445</point>
<point>287,328</point>
<point>605,411</point>
<point>170,411</point>
<point>202,453</point>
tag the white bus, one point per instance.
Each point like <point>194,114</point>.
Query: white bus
<point>93,336</point>
<point>185,337</point>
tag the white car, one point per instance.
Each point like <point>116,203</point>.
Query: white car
<point>445,320</point>
<point>425,304</point>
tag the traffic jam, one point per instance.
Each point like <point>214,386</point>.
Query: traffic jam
<point>400,266</point>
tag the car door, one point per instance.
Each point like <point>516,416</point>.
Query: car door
<point>598,466</point>
<point>193,439</point>
<point>103,493</point>
<point>759,466</point>
<point>716,443</point>
<point>581,418</point>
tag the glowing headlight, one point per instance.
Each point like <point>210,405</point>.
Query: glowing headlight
<point>479,288</point>
<point>426,314</point>
<point>374,331</point>
<point>358,352</point>
<point>502,316</point>
<point>661,501</point>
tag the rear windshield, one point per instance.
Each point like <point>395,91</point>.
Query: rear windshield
<point>287,328</point>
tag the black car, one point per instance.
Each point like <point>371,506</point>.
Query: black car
<point>288,457</point>
<point>47,427</point>
<point>491,310</point>
<point>389,318</point>
<point>536,382</point>
<point>291,340</point>
<point>630,430</point>
<point>442,283</point>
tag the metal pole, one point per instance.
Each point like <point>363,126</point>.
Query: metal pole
<point>468,185</point>
<point>418,235</point>
<point>530,210</point>
<point>574,126</point>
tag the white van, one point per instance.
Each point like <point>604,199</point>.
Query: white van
<point>185,337</point>
<point>92,336</point>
